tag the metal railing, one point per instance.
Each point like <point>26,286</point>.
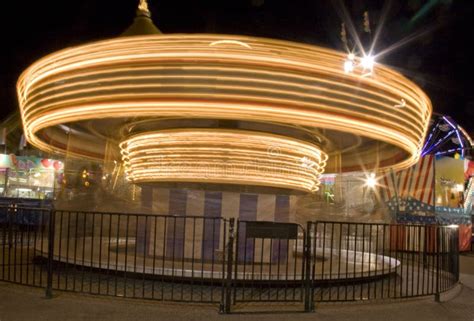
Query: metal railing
<point>171,258</point>
<point>267,267</point>
<point>21,230</point>
<point>223,261</point>
<point>360,261</point>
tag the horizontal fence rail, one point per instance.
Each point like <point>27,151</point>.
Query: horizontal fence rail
<point>206,259</point>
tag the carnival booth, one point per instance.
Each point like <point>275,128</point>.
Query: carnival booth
<point>438,188</point>
<point>29,176</point>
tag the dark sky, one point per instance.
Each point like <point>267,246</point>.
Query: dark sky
<point>440,59</point>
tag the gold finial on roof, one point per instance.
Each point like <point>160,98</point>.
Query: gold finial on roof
<point>143,6</point>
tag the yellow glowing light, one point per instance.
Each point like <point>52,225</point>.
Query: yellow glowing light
<point>247,79</point>
<point>223,156</point>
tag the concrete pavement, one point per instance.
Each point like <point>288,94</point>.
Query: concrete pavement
<point>24,303</point>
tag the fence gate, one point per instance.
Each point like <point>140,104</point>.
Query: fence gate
<point>269,262</point>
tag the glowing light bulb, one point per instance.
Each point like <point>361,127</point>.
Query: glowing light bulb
<point>371,181</point>
<point>367,62</point>
<point>348,66</point>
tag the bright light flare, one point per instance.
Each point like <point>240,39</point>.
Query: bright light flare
<point>367,62</point>
<point>348,66</point>
<point>371,181</point>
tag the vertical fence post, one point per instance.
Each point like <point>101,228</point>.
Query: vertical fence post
<point>51,228</point>
<point>226,300</point>
<point>308,298</point>
<point>10,213</point>
<point>438,256</point>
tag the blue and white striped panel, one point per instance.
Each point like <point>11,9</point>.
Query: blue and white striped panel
<point>202,238</point>
<point>247,212</point>
<point>212,224</point>
<point>282,214</point>
<point>143,229</point>
<point>175,228</point>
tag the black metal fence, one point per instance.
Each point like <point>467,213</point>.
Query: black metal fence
<point>358,261</point>
<point>267,265</point>
<point>22,229</point>
<point>223,261</point>
<point>140,256</point>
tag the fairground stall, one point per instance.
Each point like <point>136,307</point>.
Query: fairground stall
<point>29,176</point>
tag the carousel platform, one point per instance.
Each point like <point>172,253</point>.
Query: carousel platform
<point>122,255</point>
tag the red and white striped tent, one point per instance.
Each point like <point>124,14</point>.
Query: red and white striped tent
<point>416,182</point>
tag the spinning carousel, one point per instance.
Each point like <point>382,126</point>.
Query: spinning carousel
<point>223,110</point>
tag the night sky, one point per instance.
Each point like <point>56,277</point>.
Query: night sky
<point>439,59</point>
